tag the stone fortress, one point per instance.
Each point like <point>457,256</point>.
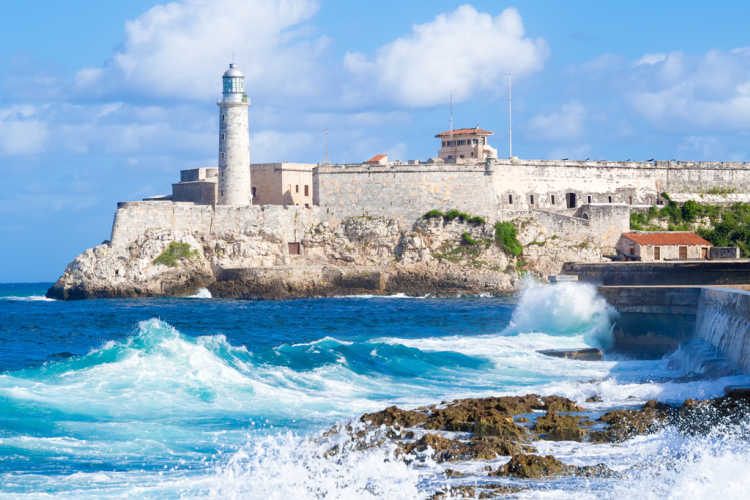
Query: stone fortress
<point>466,175</point>
<point>262,216</point>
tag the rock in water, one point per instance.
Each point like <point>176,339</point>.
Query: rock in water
<point>586,354</point>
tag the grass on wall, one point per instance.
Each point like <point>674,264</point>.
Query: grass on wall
<point>455,214</point>
<point>506,237</point>
<point>175,252</point>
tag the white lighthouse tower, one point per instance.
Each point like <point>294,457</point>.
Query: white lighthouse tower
<point>234,141</point>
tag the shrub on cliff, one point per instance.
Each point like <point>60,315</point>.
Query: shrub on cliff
<point>174,252</point>
<point>466,239</point>
<point>455,214</point>
<point>506,237</point>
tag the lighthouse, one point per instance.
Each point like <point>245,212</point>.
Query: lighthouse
<point>234,141</point>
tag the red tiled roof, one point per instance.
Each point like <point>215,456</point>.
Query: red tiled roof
<point>462,131</point>
<point>376,158</point>
<point>663,239</point>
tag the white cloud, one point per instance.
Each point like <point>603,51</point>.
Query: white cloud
<point>463,52</point>
<point>180,49</point>
<point>274,145</point>
<point>21,130</point>
<point>651,59</point>
<point>566,124</point>
<point>710,92</point>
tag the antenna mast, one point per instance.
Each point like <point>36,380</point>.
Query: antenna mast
<point>510,115</point>
<point>451,113</point>
<point>326,134</point>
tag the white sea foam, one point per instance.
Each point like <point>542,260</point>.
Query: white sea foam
<point>202,293</point>
<point>27,298</point>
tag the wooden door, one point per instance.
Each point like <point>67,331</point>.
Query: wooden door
<point>657,253</point>
<point>683,253</point>
<point>704,253</point>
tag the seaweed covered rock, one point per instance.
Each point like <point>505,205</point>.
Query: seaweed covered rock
<point>556,427</point>
<point>536,466</point>
<point>624,424</point>
<point>394,416</point>
<point>445,449</point>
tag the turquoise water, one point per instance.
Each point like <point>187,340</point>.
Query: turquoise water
<point>200,397</point>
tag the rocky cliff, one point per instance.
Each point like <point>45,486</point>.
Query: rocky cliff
<point>371,255</point>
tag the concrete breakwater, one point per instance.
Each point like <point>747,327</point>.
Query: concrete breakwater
<point>656,320</point>
<point>723,320</point>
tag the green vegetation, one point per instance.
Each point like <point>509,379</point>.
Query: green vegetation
<point>723,191</point>
<point>466,239</point>
<point>174,252</point>
<point>455,214</point>
<point>506,237</point>
<point>727,225</point>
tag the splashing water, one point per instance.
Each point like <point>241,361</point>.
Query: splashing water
<point>564,309</point>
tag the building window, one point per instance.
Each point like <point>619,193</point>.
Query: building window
<point>609,199</point>
<point>254,190</point>
<point>531,199</point>
<point>588,200</point>
<point>307,190</point>
<point>472,154</point>
<point>630,200</point>
<point>223,156</point>
<point>553,199</point>
<point>510,199</point>
<point>476,141</point>
<point>632,251</point>
<point>296,188</point>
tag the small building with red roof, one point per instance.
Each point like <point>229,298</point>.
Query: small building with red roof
<point>380,159</point>
<point>654,247</point>
<point>465,144</point>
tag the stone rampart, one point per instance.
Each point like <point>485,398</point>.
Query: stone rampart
<point>404,192</point>
<point>285,223</point>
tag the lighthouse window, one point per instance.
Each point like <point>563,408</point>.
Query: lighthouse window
<point>223,156</point>
<point>223,136</point>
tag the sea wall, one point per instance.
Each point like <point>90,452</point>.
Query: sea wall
<point>723,320</point>
<point>652,321</point>
<point>731,272</point>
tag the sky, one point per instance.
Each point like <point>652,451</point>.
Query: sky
<point>103,102</point>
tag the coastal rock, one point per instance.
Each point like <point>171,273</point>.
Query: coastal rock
<point>535,467</point>
<point>586,354</point>
<point>358,255</point>
<point>446,449</point>
<point>556,427</point>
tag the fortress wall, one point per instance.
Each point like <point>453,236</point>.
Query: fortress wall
<point>288,224</point>
<point>405,192</point>
<point>601,225</point>
<point>626,182</point>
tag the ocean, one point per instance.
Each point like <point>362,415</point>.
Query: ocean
<point>210,398</point>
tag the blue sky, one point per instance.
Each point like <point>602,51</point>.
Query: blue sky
<point>106,101</point>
